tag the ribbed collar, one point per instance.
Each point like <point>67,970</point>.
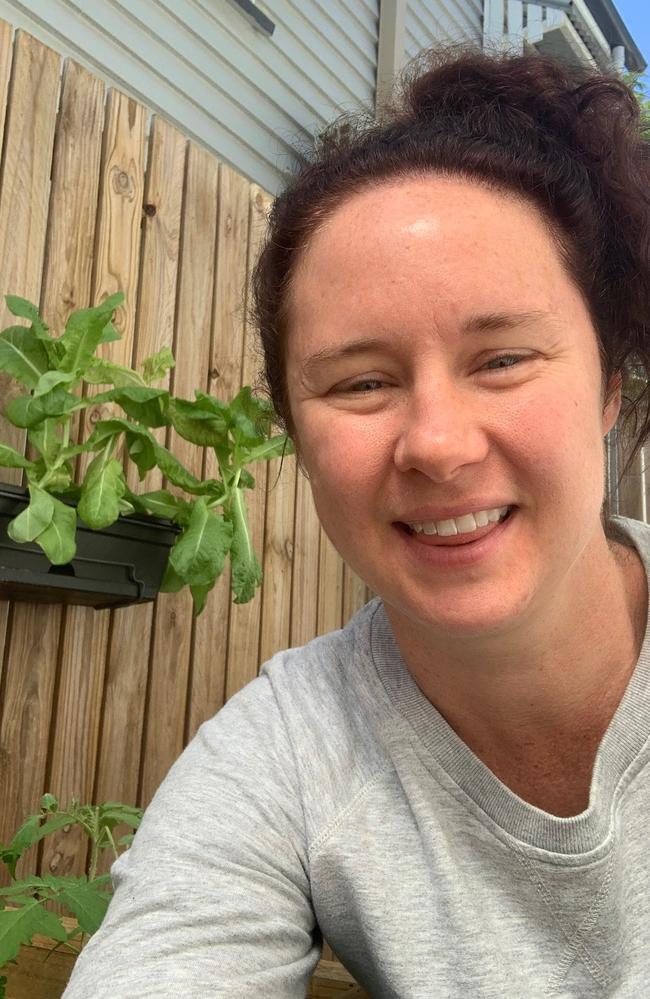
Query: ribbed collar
<point>615,762</point>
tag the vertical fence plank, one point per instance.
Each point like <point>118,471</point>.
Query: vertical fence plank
<point>304,583</point>
<point>244,628</point>
<point>31,118</point>
<point>172,639</point>
<point>330,586</point>
<point>116,268</point>
<point>66,286</point>
<point>355,594</point>
<point>30,663</point>
<point>278,557</point>
<point>6,52</point>
<point>211,630</point>
<point>159,258</point>
<point>155,329</point>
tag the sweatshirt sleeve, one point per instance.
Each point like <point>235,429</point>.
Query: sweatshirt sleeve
<point>213,897</point>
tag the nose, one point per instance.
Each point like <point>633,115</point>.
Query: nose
<point>441,434</point>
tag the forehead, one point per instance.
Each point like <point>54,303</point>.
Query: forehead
<point>433,240</point>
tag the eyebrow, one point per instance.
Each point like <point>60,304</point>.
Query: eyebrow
<point>487,322</point>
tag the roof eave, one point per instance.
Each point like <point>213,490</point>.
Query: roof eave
<point>612,26</point>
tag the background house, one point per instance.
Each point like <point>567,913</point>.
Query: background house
<point>253,82</point>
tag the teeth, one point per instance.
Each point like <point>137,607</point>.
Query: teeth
<point>461,525</point>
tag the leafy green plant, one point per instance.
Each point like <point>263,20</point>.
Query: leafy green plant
<point>24,903</point>
<point>211,513</point>
<point>638,83</point>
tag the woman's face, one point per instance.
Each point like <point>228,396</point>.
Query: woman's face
<point>441,363</point>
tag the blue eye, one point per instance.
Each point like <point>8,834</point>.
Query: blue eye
<point>505,361</point>
<point>366,385</point>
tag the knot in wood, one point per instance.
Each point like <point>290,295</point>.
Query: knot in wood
<point>228,223</point>
<point>288,550</point>
<point>259,201</point>
<point>122,183</point>
<point>214,374</point>
<point>55,860</point>
<point>150,210</point>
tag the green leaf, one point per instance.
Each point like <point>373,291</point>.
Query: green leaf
<point>199,597</point>
<point>83,333</point>
<point>246,573</point>
<point>86,902</point>
<point>251,418</point>
<point>141,403</point>
<point>162,503</point>
<point>101,372</point>
<point>156,367</point>
<point>246,480</point>
<point>198,424</point>
<point>27,411</point>
<point>274,447</point>
<point>109,334</point>
<point>58,540</point>
<point>18,926</point>
<point>22,355</point>
<point>175,472</point>
<point>51,379</point>
<point>171,581</point>
<point>111,428</point>
<point>9,458</point>
<point>141,452</point>
<point>102,489</point>
<point>46,440</point>
<point>116,814</point>
<point>34,518</point>
<point>27,310</point>
<point>199,554</point>
<point>49,803</point>
<point>27,835</point>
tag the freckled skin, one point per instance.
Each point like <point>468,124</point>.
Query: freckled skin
<point>408,262</point>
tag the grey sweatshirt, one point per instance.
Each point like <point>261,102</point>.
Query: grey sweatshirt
<point>329,797</point>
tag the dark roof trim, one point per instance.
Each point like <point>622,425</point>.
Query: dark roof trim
<point>613,27</point>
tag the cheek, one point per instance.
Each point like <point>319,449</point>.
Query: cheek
<point>344,458</point>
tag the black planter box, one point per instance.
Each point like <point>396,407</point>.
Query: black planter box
<point>120,565</point>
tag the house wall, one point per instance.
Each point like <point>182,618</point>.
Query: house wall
<point>429,21</point>
<point>254,100</point>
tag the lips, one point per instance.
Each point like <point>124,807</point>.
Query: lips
<point>456,540</point>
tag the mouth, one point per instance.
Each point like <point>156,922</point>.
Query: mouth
<point>451,535</point>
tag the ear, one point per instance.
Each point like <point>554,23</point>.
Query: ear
<point>612,402</point>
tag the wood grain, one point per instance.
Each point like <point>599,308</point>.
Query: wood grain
<point>124,643</point>
<point>305,579</point>
<point>66,286</point>
<point>32,640</point>
<point>244,630</point>
<point>211,628</point>
<point>24,192</point>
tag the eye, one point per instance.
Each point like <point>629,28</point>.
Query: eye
<point>504,361</point>
<point>362,387</point>
<point>366,385</point>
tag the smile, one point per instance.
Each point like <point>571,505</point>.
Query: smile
<point>467,524</point>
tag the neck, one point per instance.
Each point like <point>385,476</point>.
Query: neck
<point>560,673</point>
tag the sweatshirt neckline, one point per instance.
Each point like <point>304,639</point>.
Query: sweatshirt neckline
<point>620,746</point>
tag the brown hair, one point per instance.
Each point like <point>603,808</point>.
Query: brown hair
<point>566,137</point>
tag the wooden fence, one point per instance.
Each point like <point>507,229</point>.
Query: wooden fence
<point>97,195</point>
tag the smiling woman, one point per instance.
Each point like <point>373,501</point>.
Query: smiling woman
<point>453,790</point>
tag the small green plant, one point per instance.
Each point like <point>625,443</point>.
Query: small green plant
<point>211,513</point>
<point>23,904</point>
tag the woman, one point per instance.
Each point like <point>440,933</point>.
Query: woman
<point>453,789</point>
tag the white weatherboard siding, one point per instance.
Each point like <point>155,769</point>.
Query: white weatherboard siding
<point>431,21</point>
<point>253,100</point>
